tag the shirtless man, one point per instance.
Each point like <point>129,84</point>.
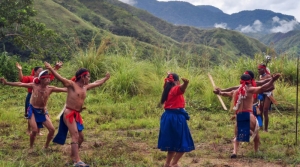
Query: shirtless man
<point>29,79</point>
<point>37,113</point>
<point>246,123</point>
<point>77,88</point>
<point>265,101</point>
<point>254,83</point>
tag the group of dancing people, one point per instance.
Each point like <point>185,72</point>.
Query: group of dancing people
<point>36,105</point>
<point>175,137</point>
<point>174,134</point>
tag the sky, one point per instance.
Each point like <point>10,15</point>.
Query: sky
<point>288,7</point>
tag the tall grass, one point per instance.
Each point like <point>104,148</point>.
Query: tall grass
<point>122,116</point>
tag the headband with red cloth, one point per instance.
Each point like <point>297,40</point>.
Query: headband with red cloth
<point>169,79</point>
<point>265,68</point>
<point>253,82</point>
<point>241,93</point>
<point>84,73</point>
<point>37,80</point>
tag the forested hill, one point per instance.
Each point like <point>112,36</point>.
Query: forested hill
<point>284,42</point>
<point>77,22</point>
<point>205,16</point>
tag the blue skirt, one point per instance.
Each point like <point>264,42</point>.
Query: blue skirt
<point>174,133</point>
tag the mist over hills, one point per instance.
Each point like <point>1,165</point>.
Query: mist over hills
<point>255,23</point>
<point>205,16</point>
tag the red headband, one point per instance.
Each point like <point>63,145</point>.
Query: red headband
<point>84,73</point>
<point>45,76</point>
<point>253,82</point>
<point>169,79</point>
<point>265,68</point>
<point>240,92</point>
<point>37,80</point>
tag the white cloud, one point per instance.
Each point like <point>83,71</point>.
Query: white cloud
<point>257,26</point>
<point>221,25</point>
<point>130,2</point>
<point>283,25</point>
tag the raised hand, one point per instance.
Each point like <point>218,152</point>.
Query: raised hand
<point>275,76</point>
<point>47,65</point>
<point>107,76</point>
<point>58,65</point>
<point>186,81</point>
<point>217,91</point>
<point>3,81</point>
<point>18,66</point>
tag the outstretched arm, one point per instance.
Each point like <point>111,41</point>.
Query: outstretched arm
<point>262,82</point>
<point>264,88</point>
<point>230,89</point>
<point>184,85</point>
<point>19,84</point>
<point>20,71</point>
<point>98,82</point>
<point>219,91</point>
<point>57,89</point>
<point>65,81</point>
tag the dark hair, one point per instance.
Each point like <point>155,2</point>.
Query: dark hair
<point>36,68</point>
<point>168,86</point>
<point>250,73</point>
<point>79,72</point>
<point>246,77</point>
<point>45,73</point>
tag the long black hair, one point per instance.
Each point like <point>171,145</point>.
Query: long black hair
<point>169,83</point>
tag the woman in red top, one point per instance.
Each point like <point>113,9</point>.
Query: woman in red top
<point>174,135</point>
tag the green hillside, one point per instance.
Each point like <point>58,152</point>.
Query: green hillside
<point>78,21</point>
<point>282,42</point>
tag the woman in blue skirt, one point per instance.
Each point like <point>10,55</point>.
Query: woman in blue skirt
<point>174,134</point>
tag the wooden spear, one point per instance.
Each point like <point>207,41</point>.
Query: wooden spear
<point>219,97</point>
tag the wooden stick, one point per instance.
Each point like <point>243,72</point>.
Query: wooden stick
<point>62,111</point>
<point>219,97</point>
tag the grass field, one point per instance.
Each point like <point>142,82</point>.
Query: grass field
<point>122,117</point>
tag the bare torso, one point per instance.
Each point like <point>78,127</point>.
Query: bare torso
<point>246,105</point>
<point>76,97</point>
<point>40,96</point>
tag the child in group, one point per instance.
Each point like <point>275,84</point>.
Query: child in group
<point>29,79</point>
<point>174,135</point>
<point>36,111</point>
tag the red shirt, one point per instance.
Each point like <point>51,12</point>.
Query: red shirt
<point>29,79</point>
<point>175,99</point>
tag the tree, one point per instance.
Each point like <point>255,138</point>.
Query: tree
<point>18,27</point>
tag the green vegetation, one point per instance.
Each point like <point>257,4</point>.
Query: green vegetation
<point>20,34</point>
<point>287,43</point>
<point>122,116</point>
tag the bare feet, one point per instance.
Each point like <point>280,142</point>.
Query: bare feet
<point>30,150</point>
<point>41,134</point>
<point>175,165</point>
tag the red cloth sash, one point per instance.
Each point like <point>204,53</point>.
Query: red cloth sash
<point>74,114</point>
